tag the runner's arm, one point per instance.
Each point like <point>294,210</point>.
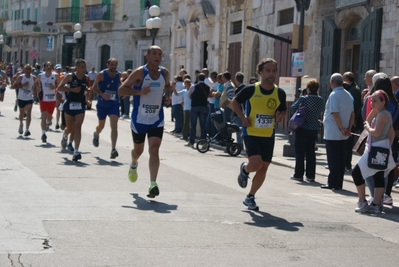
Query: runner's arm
<point>126,89</point>
<point>97,80</point>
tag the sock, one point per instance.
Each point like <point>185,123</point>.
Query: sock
<point>75,152</point>
<point>70,142</point>
<point>249,195</point>
<point>43,131</point>
<point>133,166</point>
<point>244,171</point>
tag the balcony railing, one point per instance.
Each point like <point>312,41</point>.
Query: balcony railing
<point>68,15</point>
<point>14,25</point>
<point>3,15</point>
<point>103,12</point>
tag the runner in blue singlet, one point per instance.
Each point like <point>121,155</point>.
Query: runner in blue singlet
<point>147,84</point>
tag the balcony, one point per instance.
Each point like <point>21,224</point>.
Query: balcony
<point>68,16</point>
<point>14,27</point>
<point>137,21</point>
<point>100,15</point>
<point>3,15</point>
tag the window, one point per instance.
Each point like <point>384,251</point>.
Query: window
<point>236,27</point>
<point>36,13</point>
<point>286,16</point>
<point>28,13</point>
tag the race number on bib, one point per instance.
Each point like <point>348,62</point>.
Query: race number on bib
<point>112,95</point>
<point>50,96</point>
<point>75,106</point>
<point>26,92</point>
<point>149,110</point>
<point>263,121</point>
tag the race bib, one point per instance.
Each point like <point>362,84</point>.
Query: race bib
<point>149,110</point>
<point>263,121</point>
<point>112,95</point>
<point>75,106</point>
<point>27,92</point>
<point>50,96</point>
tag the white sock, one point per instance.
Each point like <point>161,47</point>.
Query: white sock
<point>133,166</point>
<point>43,131</point>
<point>75,152</point>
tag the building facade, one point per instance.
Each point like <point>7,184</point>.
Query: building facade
<point>27,25</point>
<point>110,29</point>
<point>342,35</point>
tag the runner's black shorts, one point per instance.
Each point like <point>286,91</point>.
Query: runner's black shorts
<point>263,146</point>
<point>140,138</point>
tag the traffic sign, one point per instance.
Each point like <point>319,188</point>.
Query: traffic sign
<point>34,54</point>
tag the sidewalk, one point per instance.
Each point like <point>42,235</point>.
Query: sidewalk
<point>278,158</point>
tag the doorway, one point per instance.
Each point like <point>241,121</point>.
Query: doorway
<point>105,55</point>
<point>352,48</point>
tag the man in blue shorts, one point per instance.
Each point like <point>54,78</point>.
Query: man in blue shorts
<point>265,104</point>
<point>150,83</point>
<point>106,86</point>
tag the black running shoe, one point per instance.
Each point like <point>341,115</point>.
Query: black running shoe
<point>44,138</point>
<point>153,191</point>
<point>76,157</point>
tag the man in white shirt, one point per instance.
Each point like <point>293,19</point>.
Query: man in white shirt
<point>92,76</point>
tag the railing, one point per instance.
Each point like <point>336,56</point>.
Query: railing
<point>14,25</point>
<point>100,12</point>
<point>68,14</point>
<point>137,19</point>
<point>3,15</point>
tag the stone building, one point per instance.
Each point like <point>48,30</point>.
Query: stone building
<point>27,25</point>
<point>110,29</point>
<point>343,35</point>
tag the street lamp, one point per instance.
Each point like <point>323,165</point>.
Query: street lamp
<point>154,23</point>
<point>77,35</point>
<point>1,44</point>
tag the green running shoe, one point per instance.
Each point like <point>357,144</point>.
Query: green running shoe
<point>153,191</point>
<point>132,174</point>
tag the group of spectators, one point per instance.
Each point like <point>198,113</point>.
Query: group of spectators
<point>195,101</point>
<point>347,112</point>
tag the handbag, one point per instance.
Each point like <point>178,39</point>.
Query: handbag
<point>378,158</point>
<point>298,118</point>
<point>358,148</point>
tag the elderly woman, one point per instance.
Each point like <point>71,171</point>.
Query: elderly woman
<point>306,135</point>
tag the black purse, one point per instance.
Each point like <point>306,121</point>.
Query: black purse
<point>378,158</point>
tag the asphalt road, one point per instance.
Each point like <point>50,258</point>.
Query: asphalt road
<point>55,212</point>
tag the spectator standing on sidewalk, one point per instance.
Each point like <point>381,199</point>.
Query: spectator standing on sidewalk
<point>353,89</point>
<point>306,135</point>
<point>177,108</point>
<point>338,120</point>
<point>199,94</point>
<point>92,76</point>
<point>125,102</point>
<point>239,83</point>
<point>186,108</point>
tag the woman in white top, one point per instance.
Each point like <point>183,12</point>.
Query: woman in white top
<point>381,134</point>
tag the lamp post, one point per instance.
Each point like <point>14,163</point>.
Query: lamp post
<point>77,35</point>
<point>154,23</point>
<point>1,46</point>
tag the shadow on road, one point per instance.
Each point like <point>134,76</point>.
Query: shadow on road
<point>264,219</point>
<point>101,161</point>
<point>150,205</point>
<point>68,161</point>
<point>47,145</point>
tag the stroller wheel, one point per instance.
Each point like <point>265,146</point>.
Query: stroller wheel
<point>233,149</point>
<point>203,146</point>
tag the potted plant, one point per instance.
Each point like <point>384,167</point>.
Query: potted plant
<point>36,28</point>
<point>33,22</point>
<point>49,23</point>
<point>27,22</point>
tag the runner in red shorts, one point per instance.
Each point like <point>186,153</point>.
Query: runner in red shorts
<point>46,83</point>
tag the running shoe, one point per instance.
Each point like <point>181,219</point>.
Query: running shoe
<point>387,200</point>
<point>153,191</point>
<point>362,206</point>
<point>296,178</point>
<point>96,140</point>
<point>76,157</point>
<point>57,126</point>
<point>44,138</point>
<point>15,108</point>
<point>27,133</point>
<point>70,147</point>
<point>114,153</point>
<point>21,129</point>
<point>375,209</point>
<point>250,203</point>
<point>64,142</point>
<point>242,177</point>
<point>132,174</point>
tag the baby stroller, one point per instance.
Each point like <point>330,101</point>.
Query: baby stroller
<point>224,128</point>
